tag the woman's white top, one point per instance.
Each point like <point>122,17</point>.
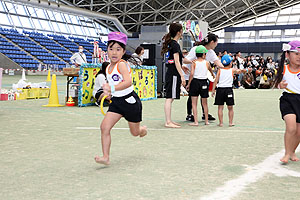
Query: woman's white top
<point>99,82</point>
<point>115,77</point>
<point>225,77</point>
<point>292,79</point>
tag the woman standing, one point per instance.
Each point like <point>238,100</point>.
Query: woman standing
<point>210,42</point>
<point>174,76</point>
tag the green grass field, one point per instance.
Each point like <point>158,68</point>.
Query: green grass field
<point>48,153</point>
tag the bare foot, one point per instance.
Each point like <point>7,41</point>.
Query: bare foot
<point>171,125</point>
<point>294,157</point>
<point>221,125</point>
<point>206,123</point>
<point>102,160</point>
<point>193,124</point>
<point>176,123</point>
<point>285,159</point>
<point>143,130</point>
<point>231,125</point>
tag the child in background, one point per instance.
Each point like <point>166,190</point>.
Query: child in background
<point>224,93</point>
<point>288,78</point>
<point>100,80</point>
<point>125,102</point>
<point>198,84</point>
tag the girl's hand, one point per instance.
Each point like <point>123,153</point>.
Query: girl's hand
<point>183,81</point>
<point>108,97</point>
<point>185,69</point>
<point>188,88</point>
<point>282,85</point>
<point>213,93</point>
<point>106,89</point>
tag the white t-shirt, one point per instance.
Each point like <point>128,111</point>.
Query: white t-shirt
<point>211,56</point>
<point>99,82</point>
<point>186,76</point>
<point>79,58</point>
<point>139,59</point>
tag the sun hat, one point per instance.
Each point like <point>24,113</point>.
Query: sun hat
<point>226,60</point>
<point>292,46</point>
<point>201,49</point>
<point>118,36</point>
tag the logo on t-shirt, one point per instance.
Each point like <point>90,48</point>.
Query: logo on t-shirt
<point>115,77</point>
<point>298,75</point>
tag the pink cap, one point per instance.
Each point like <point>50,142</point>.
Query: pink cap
<point>118,36</point>
<point>295,46</point>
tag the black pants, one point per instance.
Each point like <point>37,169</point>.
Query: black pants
<point>189,104</point>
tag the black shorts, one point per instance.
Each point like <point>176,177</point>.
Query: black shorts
<point>224,95</point>
<point>129,106</point>
<point>199,87</point>
<point>290,104</point>
<point>98,93</point>
<point>172,86</point>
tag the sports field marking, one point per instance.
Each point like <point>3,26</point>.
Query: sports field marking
<point>192,130</point>
<point>233,187</point>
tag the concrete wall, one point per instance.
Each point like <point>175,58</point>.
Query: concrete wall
<point>7,63</point>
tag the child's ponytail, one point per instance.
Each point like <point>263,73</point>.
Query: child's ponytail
<point>279,76</point>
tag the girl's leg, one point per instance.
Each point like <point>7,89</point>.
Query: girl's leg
<point>230,115</point>
<point>220,114</point>
<point>294,157</point>
<point>195,112</point>
<point>168,107</point>
<point>290,137</point>
<point>108,122</point>
<point>205,107</point>
<point>136,129</point>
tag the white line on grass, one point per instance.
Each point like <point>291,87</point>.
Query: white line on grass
<point>233,187</point>
<point>192,130</point>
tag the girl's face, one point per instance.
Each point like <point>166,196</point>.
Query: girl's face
<point>142,52</point>
<point>115,53</point>
<point>294,58</point>
<point>213,44</point>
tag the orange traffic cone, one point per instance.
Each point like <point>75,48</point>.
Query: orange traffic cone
<point>53,99</point>
<point>70,102</point>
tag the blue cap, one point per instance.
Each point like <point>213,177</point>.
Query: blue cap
<point>226,60</point>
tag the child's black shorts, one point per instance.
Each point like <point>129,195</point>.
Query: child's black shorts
<point>98,93</point>
<point>290,104</point>
<point>224,95</point>
<point>172,86</point>
<point>129,106</point>
<point>199,87</point>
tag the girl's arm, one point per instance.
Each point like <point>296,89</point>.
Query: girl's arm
<point>178,67</point>
<point>218,63</point>
<point>210,69</point>
<point>239,71</point>
<point>215,83</point>
<point>191,75</point>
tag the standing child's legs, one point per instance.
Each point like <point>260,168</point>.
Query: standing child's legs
<point>194,106</point>
<point>290,137</point>
<point>220,114</point>
<point>108,122</point>
<point>168,107</point>
<point>205,107</point>
<point>136,129</point>
<point>230,115</point>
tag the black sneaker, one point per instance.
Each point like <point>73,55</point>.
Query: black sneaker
<point>190,118</point>
<point>210,117</point>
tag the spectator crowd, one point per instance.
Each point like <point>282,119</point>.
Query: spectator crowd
<point>260,72</point>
